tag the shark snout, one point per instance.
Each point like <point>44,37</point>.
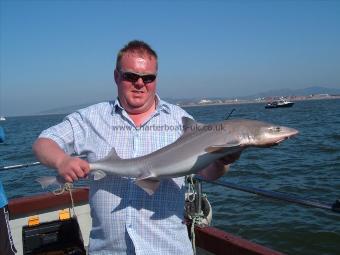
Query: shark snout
<point>274,135</point>
<point>286,134</point>
<point>291,132</point>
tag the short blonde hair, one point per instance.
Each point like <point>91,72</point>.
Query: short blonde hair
<point>135,46</point>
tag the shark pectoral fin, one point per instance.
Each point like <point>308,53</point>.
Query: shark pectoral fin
<point>222,147</point>
<point>98,174</point>
<point>148,185</point>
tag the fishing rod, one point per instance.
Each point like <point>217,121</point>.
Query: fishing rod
<point>231,112</point>
<point>335,207</point>
<point>5,168</point>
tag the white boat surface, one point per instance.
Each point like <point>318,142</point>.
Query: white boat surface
<point>279,103</point>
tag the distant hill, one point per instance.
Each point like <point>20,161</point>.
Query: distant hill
<point>296,92</point>
<point>65,109</point>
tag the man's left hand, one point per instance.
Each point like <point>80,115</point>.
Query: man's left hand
<point>229,159</point>
<point>219,167</point>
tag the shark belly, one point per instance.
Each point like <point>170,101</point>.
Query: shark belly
<point>185,166</point>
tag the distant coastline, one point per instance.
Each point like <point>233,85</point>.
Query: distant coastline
<point>257,101</point>
<point>197,102</point>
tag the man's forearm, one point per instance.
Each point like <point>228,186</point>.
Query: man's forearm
<point>48,152</point>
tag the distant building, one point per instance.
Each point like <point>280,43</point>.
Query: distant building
<point>204,101</point>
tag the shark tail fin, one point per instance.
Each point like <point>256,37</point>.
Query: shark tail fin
<point>47,181</point>
<point>98,174</point>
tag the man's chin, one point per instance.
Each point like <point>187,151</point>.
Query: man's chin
<point>137,102</point>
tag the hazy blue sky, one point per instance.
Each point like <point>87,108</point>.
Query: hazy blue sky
<point>61,53</point>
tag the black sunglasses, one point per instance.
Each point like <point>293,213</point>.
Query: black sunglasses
<point>134,77</point>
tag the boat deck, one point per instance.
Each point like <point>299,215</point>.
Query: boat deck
<point>209,240</point>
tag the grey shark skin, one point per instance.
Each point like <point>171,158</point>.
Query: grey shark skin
<point>198,147</point>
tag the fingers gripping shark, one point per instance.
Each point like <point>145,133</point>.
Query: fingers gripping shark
<point>198,147</point>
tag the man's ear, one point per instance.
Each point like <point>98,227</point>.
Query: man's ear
<point>116,76</point>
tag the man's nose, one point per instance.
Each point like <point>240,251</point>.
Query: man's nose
<point>139,83</point>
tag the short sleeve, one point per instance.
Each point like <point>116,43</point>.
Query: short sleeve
<point>70,134</point>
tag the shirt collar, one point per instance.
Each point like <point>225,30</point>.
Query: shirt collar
<point>160,105</point>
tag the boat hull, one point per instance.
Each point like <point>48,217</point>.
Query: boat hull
<point>286,105</point>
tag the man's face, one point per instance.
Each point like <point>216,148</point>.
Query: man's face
<point>136,96</point>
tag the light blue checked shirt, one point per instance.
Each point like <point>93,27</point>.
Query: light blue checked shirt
<point>125,219</point>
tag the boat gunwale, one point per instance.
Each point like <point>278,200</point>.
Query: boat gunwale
<point>218,241</point>
<point>40,203</point>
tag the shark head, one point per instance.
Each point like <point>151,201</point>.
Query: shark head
<point>258,133</point>
<point>267,134</point>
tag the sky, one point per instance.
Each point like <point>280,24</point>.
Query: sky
<point>56,53</point>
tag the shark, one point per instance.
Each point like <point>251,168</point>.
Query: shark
<point>199,146</point>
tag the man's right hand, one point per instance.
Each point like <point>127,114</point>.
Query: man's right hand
<point>72,168</point>
<point>50,154</point>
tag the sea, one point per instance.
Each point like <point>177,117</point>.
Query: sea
<point>307,166</point>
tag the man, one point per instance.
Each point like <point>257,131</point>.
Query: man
<point>6,240</point>
<point>125,219</point>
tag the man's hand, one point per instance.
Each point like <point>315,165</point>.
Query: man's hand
<point>219,167</point>
<point>229,159</point>
<point>73,168</point>
<point>50,154</point>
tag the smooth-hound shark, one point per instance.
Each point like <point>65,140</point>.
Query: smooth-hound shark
<point>199,146</point>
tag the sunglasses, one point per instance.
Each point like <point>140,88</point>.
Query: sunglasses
<point>134,77</point>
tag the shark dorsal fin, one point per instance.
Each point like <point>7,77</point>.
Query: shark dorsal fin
<point>189,124</point>
<point>111,156</point>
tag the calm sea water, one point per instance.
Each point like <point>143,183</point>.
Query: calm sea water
<point>307,165</point>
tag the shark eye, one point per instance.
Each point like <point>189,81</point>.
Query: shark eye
<point>275,129</point>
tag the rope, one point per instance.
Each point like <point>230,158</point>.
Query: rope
<point>191,189</point>
<point>196,220</point>
<point>192,232</point>
<point>67,187</point>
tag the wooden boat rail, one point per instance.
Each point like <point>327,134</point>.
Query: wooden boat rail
<point>20,207</point>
